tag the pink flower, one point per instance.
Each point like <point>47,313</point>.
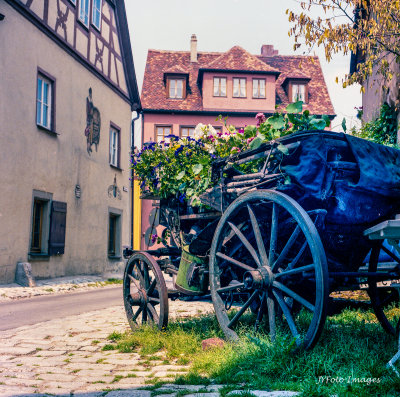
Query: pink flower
<point>235,150</point>
<point>241,130</point>
<point>260,117</point>
<point>250,139</point>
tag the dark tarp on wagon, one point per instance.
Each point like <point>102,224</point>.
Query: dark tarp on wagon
<point>356,181</point>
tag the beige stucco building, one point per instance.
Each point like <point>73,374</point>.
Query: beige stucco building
<point>67,93</point>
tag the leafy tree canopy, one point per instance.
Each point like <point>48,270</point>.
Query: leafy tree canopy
<point>370,28</point>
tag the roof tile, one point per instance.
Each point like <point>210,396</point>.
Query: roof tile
<point>160,61</point>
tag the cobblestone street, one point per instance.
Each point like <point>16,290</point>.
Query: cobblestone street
<point>64,356</point>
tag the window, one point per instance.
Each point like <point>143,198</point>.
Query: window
<point>114,233</point>
<point>219,86</point>
<point>114,146</point>
<point>187,131</point>
<point>163,131</point>
<point>298,92</point>
<point>37,224</point>
<point>239,88</point>
<point>96,14</point>
<point>48,225</point>
<point>44,102</point>
<point>258,88</point>
<point>84,12</point>
<point>175,88</point>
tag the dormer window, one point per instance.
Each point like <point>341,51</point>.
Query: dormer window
<point>239,88</point>
<point>176,88</point>
<point>219,86</point>
<point>298,92</point>
<point>259,88</point>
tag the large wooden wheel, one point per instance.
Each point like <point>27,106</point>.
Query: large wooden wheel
<point>382,298</point>
<point>145,292</point>
<point>268,265</point>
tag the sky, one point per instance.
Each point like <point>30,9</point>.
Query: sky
<point>221,24</point>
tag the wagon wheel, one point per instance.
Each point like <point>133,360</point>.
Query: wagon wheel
<point>382,298</point>
<point>145,292</point>
<point>267,256</point>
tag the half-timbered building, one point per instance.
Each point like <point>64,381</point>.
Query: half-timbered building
<point>68,89</point>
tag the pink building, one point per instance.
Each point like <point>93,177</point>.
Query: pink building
<point>184,88</point>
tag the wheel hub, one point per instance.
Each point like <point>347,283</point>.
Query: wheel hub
<point>258,278</point>
<point>140,296</point>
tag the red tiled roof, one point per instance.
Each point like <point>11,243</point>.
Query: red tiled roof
<point>319,101</point>
<point>238,59</point>
<point>177,69</point>
<point>159,62</point>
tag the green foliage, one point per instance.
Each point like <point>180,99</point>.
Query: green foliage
<point>353,346</point>
<point>382,130</point>
<point>181,168</point>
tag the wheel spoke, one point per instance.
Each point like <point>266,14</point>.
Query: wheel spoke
<point>234,261</point>
<point>153,299</point>
<point>274,233</point>
<point>243,309</point>
<point>287,247</point>
<point>260,313</point>
<point>146,276</point>
<point>152,313</point>
<point>151,288</point>
<point>230,288</point>
<point>258,236</point>
<point>295,271</point>
<point>134,281</point>
<point>144,315</point>
<point>297,257</point>
<point>289,317</point>
<point>138,311</point>
<point>294,295</point>
<point>246,243</point>
<point>271,318</point>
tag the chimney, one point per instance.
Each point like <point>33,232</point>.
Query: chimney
<point>267,50</point>
<point>193,48</point>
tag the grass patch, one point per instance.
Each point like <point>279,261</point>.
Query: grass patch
<point>117,378</point>
<point>108,347</point>
<point>113,281</point>
<point>353,347</point>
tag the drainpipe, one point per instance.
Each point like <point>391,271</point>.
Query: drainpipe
<point>132,173</point>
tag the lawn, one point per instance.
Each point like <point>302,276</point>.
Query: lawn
<point>349,359</point>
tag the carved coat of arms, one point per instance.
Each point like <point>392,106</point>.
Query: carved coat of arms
<point>93,123</point>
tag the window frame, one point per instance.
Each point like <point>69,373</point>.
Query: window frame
<point>219,86</point>
<point>168,86</point>
<point>93,12</point>
<point>115,129</point>
<point>245,87</point>
<point>42,250</point>
<point>298,83</point>
<point>156,126</point>
<point>258,90</point>
<point>80,8</point>
<point>51,114</point>
<point>115,216</point>
<point>188,127</point>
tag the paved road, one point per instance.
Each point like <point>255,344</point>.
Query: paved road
<point>34,310</point>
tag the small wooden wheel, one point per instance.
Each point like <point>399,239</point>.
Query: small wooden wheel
<point>145,292</point>
<point>267,262</point>
<point>382,298</point>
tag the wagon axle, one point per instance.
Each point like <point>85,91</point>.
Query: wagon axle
<point>258,279</point>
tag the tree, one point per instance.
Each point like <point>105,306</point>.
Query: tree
<point>368,28</point>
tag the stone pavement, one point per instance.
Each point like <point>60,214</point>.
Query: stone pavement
<point>58,285</point>
<point>64,357</point>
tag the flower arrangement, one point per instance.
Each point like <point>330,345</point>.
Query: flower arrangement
<point>181,167</point>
